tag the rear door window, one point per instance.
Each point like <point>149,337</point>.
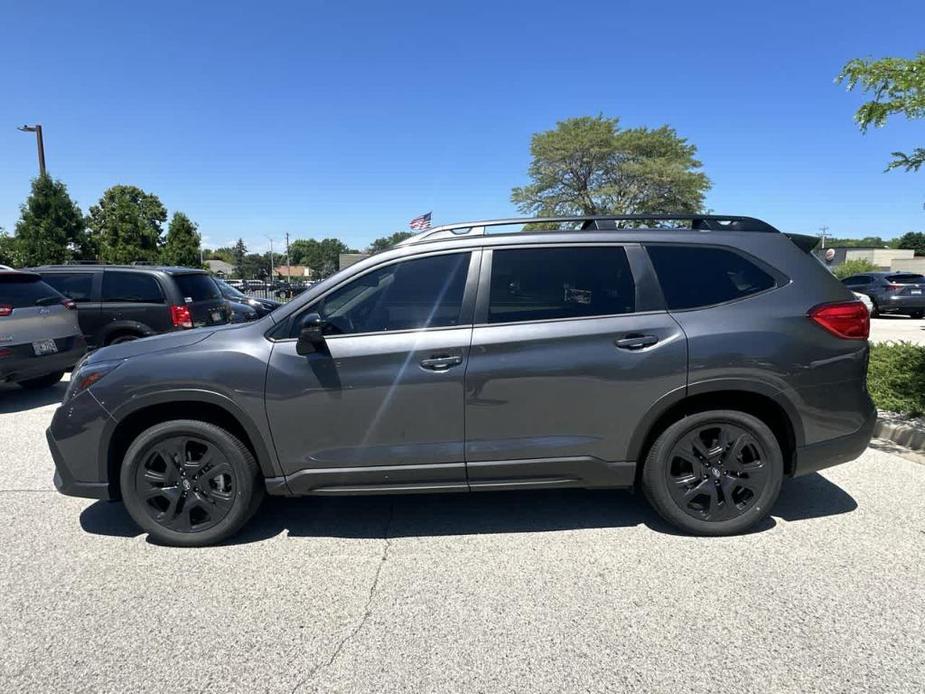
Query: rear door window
<point>529,284</point>
<point>25,292</point>
<point>77,285</point>
<point>197,287</point>
<point>695,276</point>
<point>131,287</point>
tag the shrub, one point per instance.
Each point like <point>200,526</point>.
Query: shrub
<point>853,267</point>
<point>896,377</point>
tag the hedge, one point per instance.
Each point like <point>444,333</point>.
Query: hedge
<point>896,378</point>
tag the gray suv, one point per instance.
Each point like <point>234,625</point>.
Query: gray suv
<point>701,358</point>
<point>39,335</point>
<point>891,292</point>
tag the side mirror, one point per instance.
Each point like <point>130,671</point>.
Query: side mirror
<point>311,337</point>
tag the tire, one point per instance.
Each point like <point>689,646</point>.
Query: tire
<point>917,314</point>
<point>46,381</point>
<point>727,497</point>
<point>204,501</point>
<point>123,337</point>
<point>875,311</point>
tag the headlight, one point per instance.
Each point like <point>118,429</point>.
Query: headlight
<point>85,375</point>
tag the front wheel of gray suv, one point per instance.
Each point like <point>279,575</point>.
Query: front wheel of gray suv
<point>189,483</point>
<point>714,473</point>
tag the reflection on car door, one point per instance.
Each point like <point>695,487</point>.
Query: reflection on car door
<point>381,407</point>
<point>565,362</point>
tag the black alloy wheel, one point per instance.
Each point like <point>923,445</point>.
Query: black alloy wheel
<point>190,483</point>
<point>187,484</point>
<point>714,473</point>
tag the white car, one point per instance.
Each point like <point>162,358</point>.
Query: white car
<point>866,301</point>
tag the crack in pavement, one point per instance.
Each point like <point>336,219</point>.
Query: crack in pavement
<point>366,609</point>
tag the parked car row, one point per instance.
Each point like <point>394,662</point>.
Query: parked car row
<point>891,292</point>
<point>51,315</point>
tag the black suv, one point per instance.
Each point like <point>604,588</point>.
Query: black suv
<point>703,363</point>
<point>118,303</point>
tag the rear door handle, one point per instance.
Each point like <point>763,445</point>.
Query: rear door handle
<point>636,341</point>
<point>442,362</point>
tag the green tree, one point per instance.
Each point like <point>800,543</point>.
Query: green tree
<point>239,255</point>
<point>866,242</point>
<point>914,240</point>
<point>386,242</point>
<point>301,249</point>
<point>898,87</point>
<point>126,224</point>
<point>9,250</point>
<point>182,244</point>
<point>322,257</point>
<point>591,166</point>
<point>51,227</point>
<point>853,267</point>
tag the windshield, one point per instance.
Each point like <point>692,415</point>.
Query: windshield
<point>228,291</point>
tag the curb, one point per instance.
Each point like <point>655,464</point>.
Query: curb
<point>901,434</point>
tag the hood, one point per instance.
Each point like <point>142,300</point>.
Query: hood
<point>157,343</point>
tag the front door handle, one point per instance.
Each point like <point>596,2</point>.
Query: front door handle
<point>442,362</point>
<point>636,341</point>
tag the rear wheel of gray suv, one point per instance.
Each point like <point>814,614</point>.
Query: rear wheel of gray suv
<point>190,483</point>
<point>714,473</point>
<point>46,381</point>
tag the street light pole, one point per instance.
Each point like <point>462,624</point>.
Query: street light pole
<point>271,259</point>
<point>37,129</point>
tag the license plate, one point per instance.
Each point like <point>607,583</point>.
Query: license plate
<point>43,347</point>
<point>915,291</point>
<point>217,316</point>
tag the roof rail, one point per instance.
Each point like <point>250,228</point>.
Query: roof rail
<point>698,222</point>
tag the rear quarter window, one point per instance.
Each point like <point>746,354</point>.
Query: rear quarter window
<point>695,276</point>
<point>131,287</point>
<point>197,287</point>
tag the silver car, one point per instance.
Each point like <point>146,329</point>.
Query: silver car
<point>40,338</point>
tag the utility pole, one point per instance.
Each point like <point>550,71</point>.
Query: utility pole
<point>271,259</point>
<point>37,129</point>
<point>823,232</point>
<point>288,269</point>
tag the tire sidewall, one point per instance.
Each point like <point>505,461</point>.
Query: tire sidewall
<point>655,478</point>
<point>236,454</point>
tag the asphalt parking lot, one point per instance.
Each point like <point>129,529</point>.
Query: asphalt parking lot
<point>896,328</point>
<point>534,592</point>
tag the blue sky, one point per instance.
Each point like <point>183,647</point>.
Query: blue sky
<point>350,118</point>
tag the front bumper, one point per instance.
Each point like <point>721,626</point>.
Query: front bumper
<point>74,440</point>
<point>22,364</point>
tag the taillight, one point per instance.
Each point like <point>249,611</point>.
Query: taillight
<point>4,352</point>
<point>180,316</point>
<point>848,320</point>
<point>5,309</point>
<point>69,304</point>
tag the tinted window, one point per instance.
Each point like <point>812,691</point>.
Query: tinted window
<point>546,283</point>
<point>25,292</point>
<point>197,287</point>
<point>857,280</point>
<point>77,286</point>
<point>414,294</point>
<point>133,287</point>
<point>906,278</point>
<point>694,276</point>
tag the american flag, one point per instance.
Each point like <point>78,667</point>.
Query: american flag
<point>420,223</point>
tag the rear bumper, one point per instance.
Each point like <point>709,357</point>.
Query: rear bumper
<point>74,441</point>
<point>22,364</point>
<point>843,449</point>
<point>901,303</point>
